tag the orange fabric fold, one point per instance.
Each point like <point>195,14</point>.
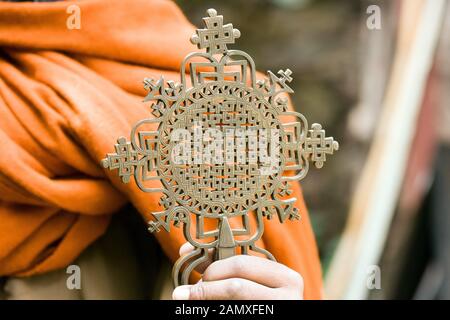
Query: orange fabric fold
<point>65,97</point>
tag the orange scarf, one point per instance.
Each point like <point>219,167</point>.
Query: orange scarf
<point>65,97</point>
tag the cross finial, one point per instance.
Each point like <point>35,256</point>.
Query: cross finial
<point>216,36</point>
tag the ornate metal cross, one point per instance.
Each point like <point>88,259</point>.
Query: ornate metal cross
<point>219,149</point>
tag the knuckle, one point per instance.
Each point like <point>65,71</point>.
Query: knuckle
<point>292,294</point>
<point>297,279</point>
<point>234,287</point>
<point>239,264</point>
<point>198,292</point>
<point>210,270</point>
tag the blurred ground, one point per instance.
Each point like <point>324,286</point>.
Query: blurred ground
<point>319,41</point>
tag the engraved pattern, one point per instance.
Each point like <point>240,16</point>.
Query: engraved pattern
<point>226,104</point>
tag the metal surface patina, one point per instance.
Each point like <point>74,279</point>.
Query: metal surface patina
<point>219,149</point>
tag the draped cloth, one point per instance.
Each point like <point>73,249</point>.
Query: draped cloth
<point>66,95</point>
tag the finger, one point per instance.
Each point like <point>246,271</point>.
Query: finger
<point>229,289</point>
<point>256,269</point>
<point>188,248</point>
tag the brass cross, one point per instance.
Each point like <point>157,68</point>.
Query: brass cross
<point>220,151</point>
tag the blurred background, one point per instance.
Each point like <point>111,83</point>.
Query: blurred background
<point>376,75</point>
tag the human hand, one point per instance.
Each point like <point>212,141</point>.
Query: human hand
<point>241,277</point>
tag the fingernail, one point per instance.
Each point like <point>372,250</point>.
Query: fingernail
<point>181,293</point>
